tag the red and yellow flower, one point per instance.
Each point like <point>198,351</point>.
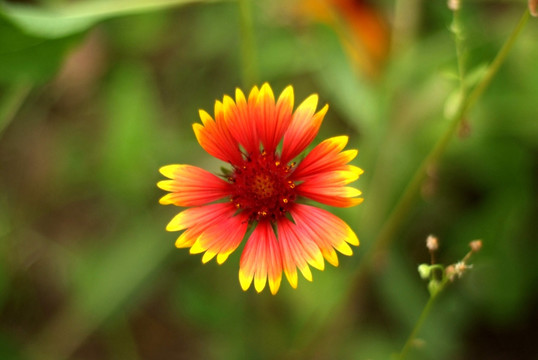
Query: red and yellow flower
<point>264,193</point>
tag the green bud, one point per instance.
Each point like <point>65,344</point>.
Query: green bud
<point>424,270</point>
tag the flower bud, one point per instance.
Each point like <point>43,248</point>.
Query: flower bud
<point>432,243</point>
<point>475,245</point>
<point>424,270</point>
<point>450,272</point>
<point>533,7</point>
<point>454,5</point>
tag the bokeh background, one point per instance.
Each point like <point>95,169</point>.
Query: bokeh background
<point>95,96</point>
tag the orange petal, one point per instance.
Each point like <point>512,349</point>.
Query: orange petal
<point>201,217</point>
<point>342,177</point>
<point>261,260</point>
<point>221,238</point>
<point>341,196</point>
<point>329,188</point>
<point>191,186</point>
<point>215,137</point>
<point>238,116</point>
<point>303,128</point>
<point>326,156</point>
<point>272,121</point>
<point>297,252</point>
<point>328,231</point>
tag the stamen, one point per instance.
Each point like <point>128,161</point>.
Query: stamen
<point>261,188</point>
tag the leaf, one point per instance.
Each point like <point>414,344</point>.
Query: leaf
<point>452,104</point>
<point>29,59</point>
<point>454,100</point>
<point>475,75</point>
<point>35,40</point>
<point>77,17</point>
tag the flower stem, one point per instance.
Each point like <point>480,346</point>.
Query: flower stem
<point>459,39</point>
<point>399,214</point>
<point>497,62</point>
<point>440,146</point>
<point>423,315</point>
<point>248,63</point>
<point>401,209</point>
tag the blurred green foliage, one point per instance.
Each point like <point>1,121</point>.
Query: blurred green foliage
<point>95,96</point>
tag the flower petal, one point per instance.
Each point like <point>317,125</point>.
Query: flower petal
<point>303,128</point>
<point>201,217</point>
<point>326,156</point>
<point>340,196</point>
<point>197,220</point>
<point>297,252</point>
<point>239,118</point>
<point>221,238</point>
<point>271,121</point>
<point>187,238</point>
<point>328,231</point>
<point>191,186</point>
<point>328,188</point>
<point>215,136</point>
<point>261,260</point>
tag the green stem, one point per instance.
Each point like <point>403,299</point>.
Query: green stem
<point>459,37</point>
<point>401,209</point>
<point>496,64</point>
<point>444,140</point>
<point>403,205</point>
<point>248,56</point>
<point>423,315</point>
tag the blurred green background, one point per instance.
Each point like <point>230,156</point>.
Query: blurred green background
<point>95,96</point>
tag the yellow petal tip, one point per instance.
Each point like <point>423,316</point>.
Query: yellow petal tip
<point>169,170</point>
<point>244,280</point>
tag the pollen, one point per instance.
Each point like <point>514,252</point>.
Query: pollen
<point>261,187</point>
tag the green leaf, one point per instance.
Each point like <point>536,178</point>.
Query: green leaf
<point>76,17</point>
<point>34,40</point>
<point>476,74</point>
<point>29,58</point>
<point>452,104</point>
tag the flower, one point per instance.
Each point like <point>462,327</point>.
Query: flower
<point>361,26</point>
<point>264,193</point>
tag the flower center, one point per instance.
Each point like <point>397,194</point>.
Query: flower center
<point>261,187</point>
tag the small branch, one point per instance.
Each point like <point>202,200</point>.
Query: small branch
<point>420,321</point>
<point>401,209</point>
